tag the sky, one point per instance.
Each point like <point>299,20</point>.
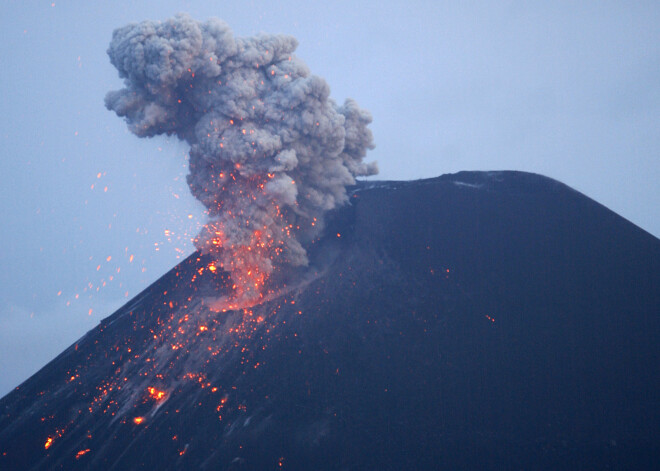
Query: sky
<point>93,215</point>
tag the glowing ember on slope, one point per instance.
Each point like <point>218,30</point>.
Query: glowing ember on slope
<point>270,151</point>
<point>81,453</point>
<point>143,359</point>
<point>156,394</point>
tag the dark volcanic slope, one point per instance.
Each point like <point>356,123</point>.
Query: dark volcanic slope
<point>473,321</point>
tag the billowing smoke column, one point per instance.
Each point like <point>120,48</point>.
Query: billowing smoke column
<point>270,151</point>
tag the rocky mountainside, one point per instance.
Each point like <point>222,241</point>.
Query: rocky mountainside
<point>482,320</point>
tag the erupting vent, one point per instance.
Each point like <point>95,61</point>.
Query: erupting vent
<point>270,151</point>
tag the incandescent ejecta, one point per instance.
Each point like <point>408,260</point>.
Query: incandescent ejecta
<point>270,152</point>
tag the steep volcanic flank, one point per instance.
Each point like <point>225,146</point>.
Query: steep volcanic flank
<point>473,321</point>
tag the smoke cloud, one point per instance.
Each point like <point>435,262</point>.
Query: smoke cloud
<point>270,152</point>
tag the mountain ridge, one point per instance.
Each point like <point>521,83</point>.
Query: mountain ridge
<point>470,320</point>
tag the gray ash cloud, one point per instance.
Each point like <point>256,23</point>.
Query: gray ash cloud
<point>270,151</point>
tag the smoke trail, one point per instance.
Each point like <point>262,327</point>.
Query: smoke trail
<point>269,150</point>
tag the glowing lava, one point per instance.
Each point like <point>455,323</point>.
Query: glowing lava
<point>156,394</point>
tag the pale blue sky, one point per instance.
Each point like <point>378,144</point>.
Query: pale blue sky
<point>566,89</point>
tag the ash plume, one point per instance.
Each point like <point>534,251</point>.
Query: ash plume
<point>270,152</point>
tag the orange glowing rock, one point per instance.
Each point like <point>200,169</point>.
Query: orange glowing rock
<point>48,443</point>
<point>138,420</point>
<point>156,394</point>
<point>82,452</point>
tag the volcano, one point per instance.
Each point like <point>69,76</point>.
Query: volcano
<point>481,320</point>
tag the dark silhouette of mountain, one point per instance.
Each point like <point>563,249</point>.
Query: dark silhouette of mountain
<point>491,320</point>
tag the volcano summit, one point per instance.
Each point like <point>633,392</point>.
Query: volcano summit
<point>491,320</point>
